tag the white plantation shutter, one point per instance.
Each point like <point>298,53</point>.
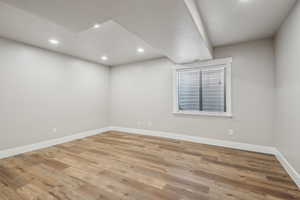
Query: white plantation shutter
<point>213,90</point>
<point>189,90</point>
<point>202,90</point>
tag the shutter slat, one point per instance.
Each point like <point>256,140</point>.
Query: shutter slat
<point>189,90</point>
<point>213,90</point>
<point>202,90</point>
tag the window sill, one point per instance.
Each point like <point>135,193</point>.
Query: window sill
<point>209,114</point>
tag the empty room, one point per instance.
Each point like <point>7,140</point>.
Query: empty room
<point>149,100</point>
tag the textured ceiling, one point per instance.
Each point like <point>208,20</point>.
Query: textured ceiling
<point>166,26</point>
<point>162,27</point>
<point>231,21</point>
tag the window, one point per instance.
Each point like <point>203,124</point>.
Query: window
<point>203,88</point>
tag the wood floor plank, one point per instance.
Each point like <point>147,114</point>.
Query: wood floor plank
<point>121,166</point>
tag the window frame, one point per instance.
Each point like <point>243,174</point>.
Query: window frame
<point>206,65</point>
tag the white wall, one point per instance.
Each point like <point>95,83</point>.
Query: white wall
<point>42,90</point>
<point>287,48</point>
<point>141,97</point>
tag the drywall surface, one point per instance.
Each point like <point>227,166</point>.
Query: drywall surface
<point>45,95</point>
<point>287,48</point>
<point>141,97</point>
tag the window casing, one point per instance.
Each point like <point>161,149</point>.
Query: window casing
<point>203,88</point>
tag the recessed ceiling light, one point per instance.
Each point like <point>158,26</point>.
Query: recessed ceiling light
<point>53,41</point>
<point>96,26</point>
<point>140,50</point>
<point>104,58</point>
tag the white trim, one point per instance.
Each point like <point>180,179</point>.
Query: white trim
<point>212,114</point>
<point>289,168</point>
<point>215,142</point>
<point>224,63</point>
<point>223,143</point>
<point>229,144</point>
<point>207,63</point>
<point>49,143</point>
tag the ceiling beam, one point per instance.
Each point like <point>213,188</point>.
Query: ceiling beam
<point>194,11</point>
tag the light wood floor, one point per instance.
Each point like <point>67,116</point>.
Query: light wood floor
<point>124,166</point>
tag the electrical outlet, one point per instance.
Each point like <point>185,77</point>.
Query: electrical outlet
<point>139,124</point>
<point>230,132</point>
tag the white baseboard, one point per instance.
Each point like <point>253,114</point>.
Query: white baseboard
<point>235,145</point>
<point>223,143</point>
<point>289,168</point>
<point>32,147</point>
